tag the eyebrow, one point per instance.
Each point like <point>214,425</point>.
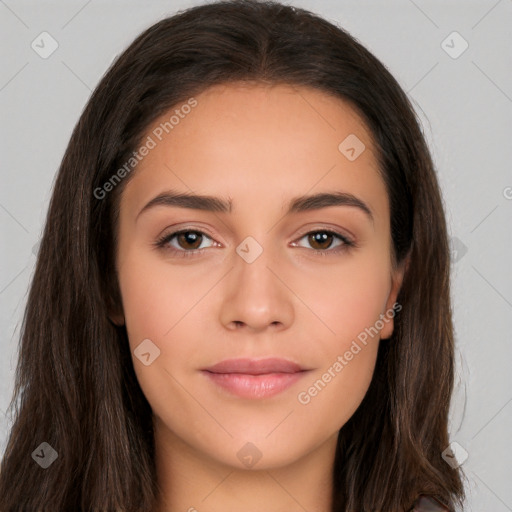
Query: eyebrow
<point>299,204</point>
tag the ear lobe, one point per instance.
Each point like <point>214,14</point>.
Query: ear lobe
<point>115,312</point>
<point>117,319</point>
<point>396,284</point>
<point>114,304</point>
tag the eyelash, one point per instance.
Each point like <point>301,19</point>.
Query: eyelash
<point>162,242</point>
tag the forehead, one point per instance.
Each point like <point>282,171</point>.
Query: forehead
<point>254,140</point>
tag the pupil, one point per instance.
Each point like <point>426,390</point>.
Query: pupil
<point>191,237</point>
<point>321,238</point>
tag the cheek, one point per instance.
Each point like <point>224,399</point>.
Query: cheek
<point>346,300</point>
<point>158,303</point>
<point>155,308</point>
<point>349,307</point>
<point>336,391</point>
<point>154,299</point>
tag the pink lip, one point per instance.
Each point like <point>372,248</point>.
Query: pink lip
<point>255,366</point>
<point>250,378</point>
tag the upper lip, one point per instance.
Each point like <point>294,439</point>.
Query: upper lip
<point>255,366</point>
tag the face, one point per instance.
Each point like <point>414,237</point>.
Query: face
<point>290,295</point>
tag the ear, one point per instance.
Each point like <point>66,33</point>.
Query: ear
<point>397,278</point>
<point>114,308</point>
<point>117,319</point>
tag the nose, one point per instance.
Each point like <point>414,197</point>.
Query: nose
<point>257,295</point>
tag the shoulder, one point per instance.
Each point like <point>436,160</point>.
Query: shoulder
<point>428,504</point>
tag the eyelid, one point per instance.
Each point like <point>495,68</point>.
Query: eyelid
<point>301,234</point>
<point>173,230</point>
<point>164,239</point>
<point>331,229</point>
<point>347,242</point>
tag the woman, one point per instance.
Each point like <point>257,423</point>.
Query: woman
<point>303,358</point>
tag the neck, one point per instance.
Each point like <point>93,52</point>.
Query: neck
<point>192,481</point>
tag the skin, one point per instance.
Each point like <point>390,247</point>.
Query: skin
<point>260,146</point>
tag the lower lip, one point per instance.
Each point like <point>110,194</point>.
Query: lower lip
<point>255,386</point>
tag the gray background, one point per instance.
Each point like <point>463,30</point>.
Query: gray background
<point>464,103</point>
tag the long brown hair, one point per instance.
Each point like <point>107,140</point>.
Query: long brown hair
<point>75,386</point>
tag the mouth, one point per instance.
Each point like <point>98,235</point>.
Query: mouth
<point>255,379</point>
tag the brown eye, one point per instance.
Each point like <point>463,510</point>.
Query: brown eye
<point>189,239</point>
<point>325,242</point>
<point>320,240</point>
<point>186,242</point>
